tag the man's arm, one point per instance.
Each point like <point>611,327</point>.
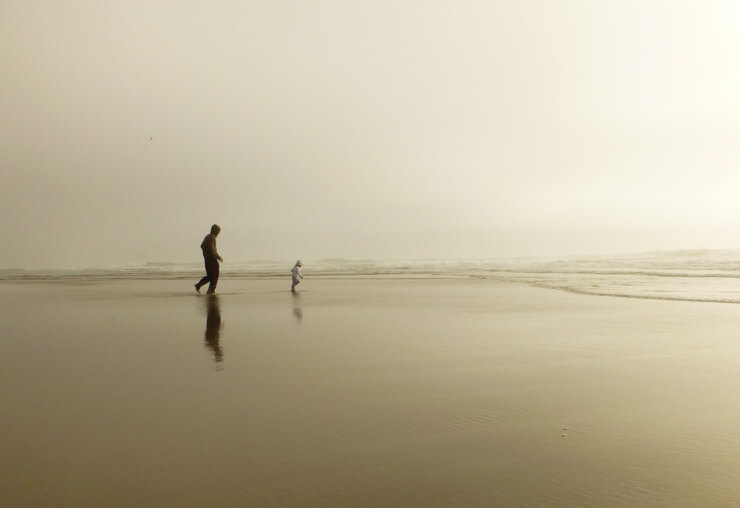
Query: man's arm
<point>215,251</point>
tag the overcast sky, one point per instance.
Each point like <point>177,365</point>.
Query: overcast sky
<point>381,129</point>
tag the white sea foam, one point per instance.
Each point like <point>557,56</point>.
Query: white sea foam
<point>696,275</point>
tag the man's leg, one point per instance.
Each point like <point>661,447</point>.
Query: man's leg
<point>202,282</point>
<point>213,274</point>
<point>205,280</point>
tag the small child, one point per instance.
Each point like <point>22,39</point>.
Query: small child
<point>296,273</point>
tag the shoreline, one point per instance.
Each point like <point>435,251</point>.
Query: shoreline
<point>92,279</point>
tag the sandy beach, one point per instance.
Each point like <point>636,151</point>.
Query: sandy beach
<point>364,392</point>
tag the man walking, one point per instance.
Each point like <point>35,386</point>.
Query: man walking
<point>211,258</point>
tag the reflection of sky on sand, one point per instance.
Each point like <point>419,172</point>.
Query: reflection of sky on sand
<point>477,376</point>
<point>213,328</point>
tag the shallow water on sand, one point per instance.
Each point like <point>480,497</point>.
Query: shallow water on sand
<point>371,392</point>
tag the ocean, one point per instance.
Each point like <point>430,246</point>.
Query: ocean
<point>688,275</point>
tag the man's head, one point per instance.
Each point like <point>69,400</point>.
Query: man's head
<point>215,229</point>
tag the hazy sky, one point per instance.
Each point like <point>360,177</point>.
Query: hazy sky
<point>366,129</point>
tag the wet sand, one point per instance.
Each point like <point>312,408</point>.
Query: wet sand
<point>364,392</point>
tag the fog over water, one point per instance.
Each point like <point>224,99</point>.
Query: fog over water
<point>365,130</point>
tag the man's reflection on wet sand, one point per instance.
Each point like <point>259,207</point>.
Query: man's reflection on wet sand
<point>213,328</point>
<point>297,311</point>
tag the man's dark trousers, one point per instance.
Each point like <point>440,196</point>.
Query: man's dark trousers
<point>212,271</point>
